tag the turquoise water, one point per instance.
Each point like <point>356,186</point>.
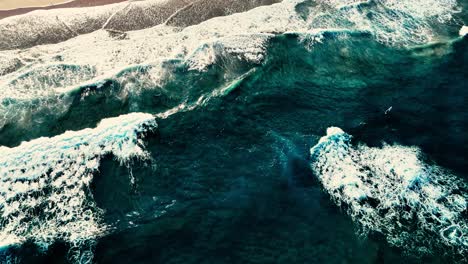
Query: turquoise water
<point>228,176</point>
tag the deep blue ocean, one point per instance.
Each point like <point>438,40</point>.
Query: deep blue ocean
<point>245,172</point>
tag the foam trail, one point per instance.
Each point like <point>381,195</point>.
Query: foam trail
<point>44,190</point>
<point>391,190</point>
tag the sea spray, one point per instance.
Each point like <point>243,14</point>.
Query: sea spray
<point>392,190</point>
<point>45,193</point>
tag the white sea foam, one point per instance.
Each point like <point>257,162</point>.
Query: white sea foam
<point>198,46</point>
<point>56,25</point>
<point>416,205</point>
<point>463,31</point>
<point>105,53</point>
<point>53,174</point>
<point>45,183</point>
<point>393,22</point>
<point>242,36</point>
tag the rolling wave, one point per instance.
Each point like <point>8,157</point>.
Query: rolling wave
<point>391,190</point>
<point>172,64</point>
<point>44,79</point>
<point>45,192</point>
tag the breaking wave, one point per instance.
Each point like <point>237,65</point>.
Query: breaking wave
<point>394,22</point>
<point>32,81</point>
<point>391,190</point>
<point>72,75</point>
<point>45,192</point>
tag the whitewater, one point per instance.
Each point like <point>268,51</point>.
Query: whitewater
<point>81,86</point>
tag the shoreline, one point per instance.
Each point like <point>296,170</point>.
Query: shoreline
<point>63,4</point>
<point>8,6</point>
<point>60,24</point>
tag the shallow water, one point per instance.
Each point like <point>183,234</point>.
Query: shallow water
<point>227,175</point>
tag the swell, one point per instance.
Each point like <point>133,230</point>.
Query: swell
<point>164,71</point>
<point>38,99</point>
<point>200,45</point>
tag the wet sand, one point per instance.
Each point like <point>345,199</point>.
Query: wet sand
<point>25,5</point>
<point>57,25</point>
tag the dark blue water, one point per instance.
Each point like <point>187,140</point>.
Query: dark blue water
<point>231,182</point>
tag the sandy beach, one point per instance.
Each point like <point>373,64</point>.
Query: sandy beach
<point>60,24</point>
<point>18,7</point>
<point>13,4</point>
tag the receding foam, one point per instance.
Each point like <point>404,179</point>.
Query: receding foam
<point>45,183</point>
<point>392,22</point>
<point>391,190</point>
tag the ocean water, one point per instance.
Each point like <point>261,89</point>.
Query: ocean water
<point>301,132</point>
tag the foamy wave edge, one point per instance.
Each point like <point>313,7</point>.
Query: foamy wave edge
<point>391,190</point>
<point>45,193</point>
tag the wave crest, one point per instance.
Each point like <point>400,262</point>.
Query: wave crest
<point>391,190</point>
<point>45,192</point>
